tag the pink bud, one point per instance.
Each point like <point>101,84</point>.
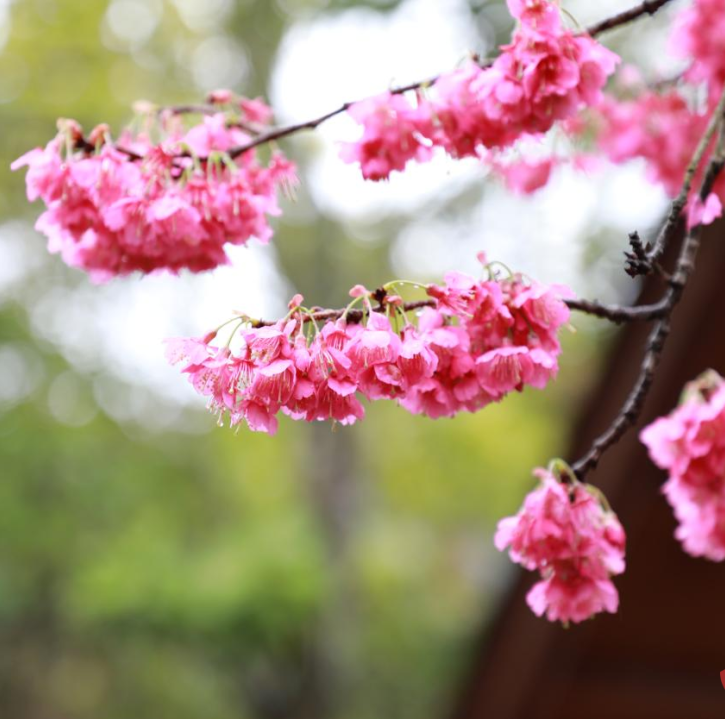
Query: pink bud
<point>99,134</point>
<point>220,97</point>
<point>296,301</point>
<point>359,291</point>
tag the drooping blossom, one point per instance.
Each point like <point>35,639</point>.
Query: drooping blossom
<point>394,133</point>
<point>139,205</point>
<point>564,531</point>
<point>545,75</point>
<point>689,444</point>
<point>477,342</point>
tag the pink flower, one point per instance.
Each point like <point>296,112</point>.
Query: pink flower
<point>505,369</point>
<point>458,295</point>
<point>392,135</point>
<point>274,383</point>
<point>376,343</point>
<point>540,15</point>
<point>220,97</point>
<point>567,595</point>
<point>417,360</point>
<point>539,313</point>
<point>256,110</point>
<point>574,542</point>
<point>336,400</point>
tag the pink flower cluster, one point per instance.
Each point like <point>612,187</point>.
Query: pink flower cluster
<point>478,341</point>
<point>546,74</point>
<point>697,35</point>
<point>563,531</point>
<point>170,205</point>
<point>690,444</point>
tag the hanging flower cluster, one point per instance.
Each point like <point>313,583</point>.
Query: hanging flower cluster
<point>546,74</point>
<point>566,531</point>
<point>171,204</point>
<point>690,444</point>
<point>475,342</point>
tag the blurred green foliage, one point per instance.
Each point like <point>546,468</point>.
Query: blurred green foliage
<point>172,574</point>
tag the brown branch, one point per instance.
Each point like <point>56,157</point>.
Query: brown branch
<point>632,407</point>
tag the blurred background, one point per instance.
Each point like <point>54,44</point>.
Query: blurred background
<point>154,565</point>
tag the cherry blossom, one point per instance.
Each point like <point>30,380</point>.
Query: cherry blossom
<point>394,133</point>
<point>478,341</point>
<point>149,206</point>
